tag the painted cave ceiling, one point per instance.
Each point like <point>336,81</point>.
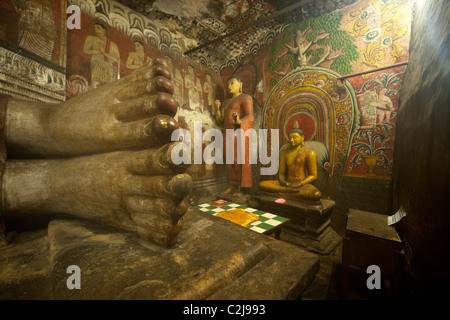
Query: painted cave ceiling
<point>221,32</point>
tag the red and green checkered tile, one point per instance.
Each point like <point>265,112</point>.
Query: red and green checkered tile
<point>266,222</point>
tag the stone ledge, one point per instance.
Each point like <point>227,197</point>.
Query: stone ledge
<point>214,259</point>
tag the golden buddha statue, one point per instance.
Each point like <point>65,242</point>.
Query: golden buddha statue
<point>298,169</point>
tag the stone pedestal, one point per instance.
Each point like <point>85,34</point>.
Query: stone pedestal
<point>309,225</point>
<point>213,259</point>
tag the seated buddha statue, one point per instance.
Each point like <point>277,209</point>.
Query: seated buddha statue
<point>297,170</point>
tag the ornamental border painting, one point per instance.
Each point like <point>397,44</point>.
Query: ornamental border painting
<point>33,49</point>
<point>312,100</point>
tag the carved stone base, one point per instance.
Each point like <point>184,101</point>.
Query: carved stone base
<point>323,244</point>
<point>213,259</point>
<point>309,225</point>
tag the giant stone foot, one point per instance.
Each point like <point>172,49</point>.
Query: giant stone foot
<point>120,115</point>
<point>104,155</point>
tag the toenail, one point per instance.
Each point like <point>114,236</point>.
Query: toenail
<point>166,103</point>
<point>161,61</point>
<point>180,185</point>
<point>163,84</point>
<point>162,71</point>
<point>162,126</point>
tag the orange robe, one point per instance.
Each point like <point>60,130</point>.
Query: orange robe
<point>239,174</point>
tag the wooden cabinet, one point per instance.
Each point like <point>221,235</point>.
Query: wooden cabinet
<point>369,240</point>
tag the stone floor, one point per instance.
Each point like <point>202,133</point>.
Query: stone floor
<point>327,283</point>
<point>233,263</point>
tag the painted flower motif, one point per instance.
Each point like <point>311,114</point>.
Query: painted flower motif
<point>372,35</point>
<point>364,15</point>
<point>343,119</point>
<point>298,82</point>
<point>327,166</point>
<point>386,42</point>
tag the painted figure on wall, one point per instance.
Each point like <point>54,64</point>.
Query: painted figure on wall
<point>385,107</point>
<point>236,113</point>
<point>371,149</point>
<point>105,60</point>
<point>376,108</point>
<point>137,58</point>
<point>194,86</point>
<point>375,100</point>
<point>37,29</point>
<point>298,169</point>
<point>177,79</point>
<point>209,90</point>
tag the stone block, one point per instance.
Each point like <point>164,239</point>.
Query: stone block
<point>309,225</point>
<point>213,259</point>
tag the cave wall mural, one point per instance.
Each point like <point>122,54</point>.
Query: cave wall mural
<point>297,80</point>
<point>33,49</point>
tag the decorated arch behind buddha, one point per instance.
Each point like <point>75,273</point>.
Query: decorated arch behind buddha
<point>325,109</point>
